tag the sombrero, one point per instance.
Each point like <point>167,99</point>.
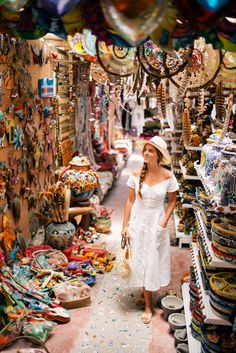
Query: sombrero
<point>159,144</point>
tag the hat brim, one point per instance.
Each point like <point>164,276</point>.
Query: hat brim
<point>166,156</point>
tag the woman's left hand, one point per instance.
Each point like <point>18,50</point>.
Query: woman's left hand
<point>163,224</point>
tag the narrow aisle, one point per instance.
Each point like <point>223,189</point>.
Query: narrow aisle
<point>115,325</point>
<point>114,322</point>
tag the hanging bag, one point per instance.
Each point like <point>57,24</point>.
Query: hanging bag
<point>124,259</point>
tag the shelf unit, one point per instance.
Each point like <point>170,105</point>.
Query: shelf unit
<point>186,176</point>
<point>194,345</point>
<point>213,260</point>
<point>183,238</point>
<point>187,205</point>
<point>193,148</point>
<point>209,188</point>
<point>210,316</point>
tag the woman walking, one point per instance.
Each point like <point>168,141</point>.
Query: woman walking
<point>145,221</point>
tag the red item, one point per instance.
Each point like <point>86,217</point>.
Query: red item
<point>70,250</point>
<point>29,252</point>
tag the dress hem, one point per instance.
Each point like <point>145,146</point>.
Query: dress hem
<point>151,290</point>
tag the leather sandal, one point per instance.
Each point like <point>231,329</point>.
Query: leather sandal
<point>146,318</point>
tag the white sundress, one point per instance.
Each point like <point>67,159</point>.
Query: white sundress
<point>150,243</point>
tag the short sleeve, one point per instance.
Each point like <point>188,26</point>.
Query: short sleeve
<point>131,181</point>
<point>173,184</point>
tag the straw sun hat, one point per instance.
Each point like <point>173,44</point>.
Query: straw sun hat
<point>159,144</point>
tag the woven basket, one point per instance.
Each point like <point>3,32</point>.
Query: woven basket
<point>78,303</point>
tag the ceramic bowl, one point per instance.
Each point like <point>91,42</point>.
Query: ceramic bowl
<point>180,336</point>
<point>171,304</point>
<point>176,321</point>
<point>182,348</point>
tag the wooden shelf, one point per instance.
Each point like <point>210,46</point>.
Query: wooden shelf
<point>183,238</point>
<point>213,260</point>
<point>193,148</point>
<point>194,345</point>
<point>209,188</point>
<point>210,316</point>
<point>186,176</point>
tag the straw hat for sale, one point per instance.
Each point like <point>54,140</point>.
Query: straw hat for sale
<point>159,144</point>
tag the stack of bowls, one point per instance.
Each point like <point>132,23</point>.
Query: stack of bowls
<point>223,294</point>
<point>224,239</point>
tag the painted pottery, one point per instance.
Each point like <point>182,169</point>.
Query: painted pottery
<point>102,225</point>
<point>228,183</point>
<point>60,235</point>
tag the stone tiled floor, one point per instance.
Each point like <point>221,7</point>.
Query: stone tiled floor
<point>112,324</point>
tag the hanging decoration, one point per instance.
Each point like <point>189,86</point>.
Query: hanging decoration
<point>133,20</point>
<point>98,74</point>
<point>198,16</point>
<point>157,63</point>
<point>203,66</point>
<point>84,44</point>
<point>117,60</point>
<point>227,74</point>
<point>59,7</point>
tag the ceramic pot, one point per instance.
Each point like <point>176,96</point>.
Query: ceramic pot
<point>228,183</point>
<point>171,304</point>
<point>102,225</point>
<point>60,235</point>
<point>180,336</point>
<point>176,321</point>
<point>213,155</point>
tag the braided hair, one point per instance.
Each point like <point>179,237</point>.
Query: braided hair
<point>141,178</point>
<point>144,171</point>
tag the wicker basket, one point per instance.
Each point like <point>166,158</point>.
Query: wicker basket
<point>78,303</point>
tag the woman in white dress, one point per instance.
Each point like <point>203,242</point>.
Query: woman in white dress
<point>145,220</point>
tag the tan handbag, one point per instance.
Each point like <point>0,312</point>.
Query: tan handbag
<point>123,259</point>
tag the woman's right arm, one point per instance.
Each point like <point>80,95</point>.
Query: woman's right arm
<point>128,207</point>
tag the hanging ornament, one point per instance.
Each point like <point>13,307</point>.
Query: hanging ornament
<point>18,136</point>
<point>203,67</point>
<point>133,20</point>
<point>186,125</point>
<point>198,16</point>
<point>159,64</point>
<point>14,5</point>
<point>219,102</point>
<point>117,60</point>
<point>212,5</point>
<point>59,7</point>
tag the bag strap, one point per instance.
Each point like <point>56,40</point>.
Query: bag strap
<point>125,241</point>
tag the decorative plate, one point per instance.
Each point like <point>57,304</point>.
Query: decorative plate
<point>203,67</point>
<point>116,60</point>
<point>157,63</point>
<point>224,284</point>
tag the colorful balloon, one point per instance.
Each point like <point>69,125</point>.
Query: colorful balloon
<point>212,5</point>
<point>59,7</point>
<point>14,5</point>
<point>133,20</point>
<point>198,17</point>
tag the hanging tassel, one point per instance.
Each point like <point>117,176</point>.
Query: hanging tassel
<point>227,119</point>
<point>186,126</point>
<point>201,101</point>
<point>219,102</point>
<point>184,85</point>
<point>161,100</point>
